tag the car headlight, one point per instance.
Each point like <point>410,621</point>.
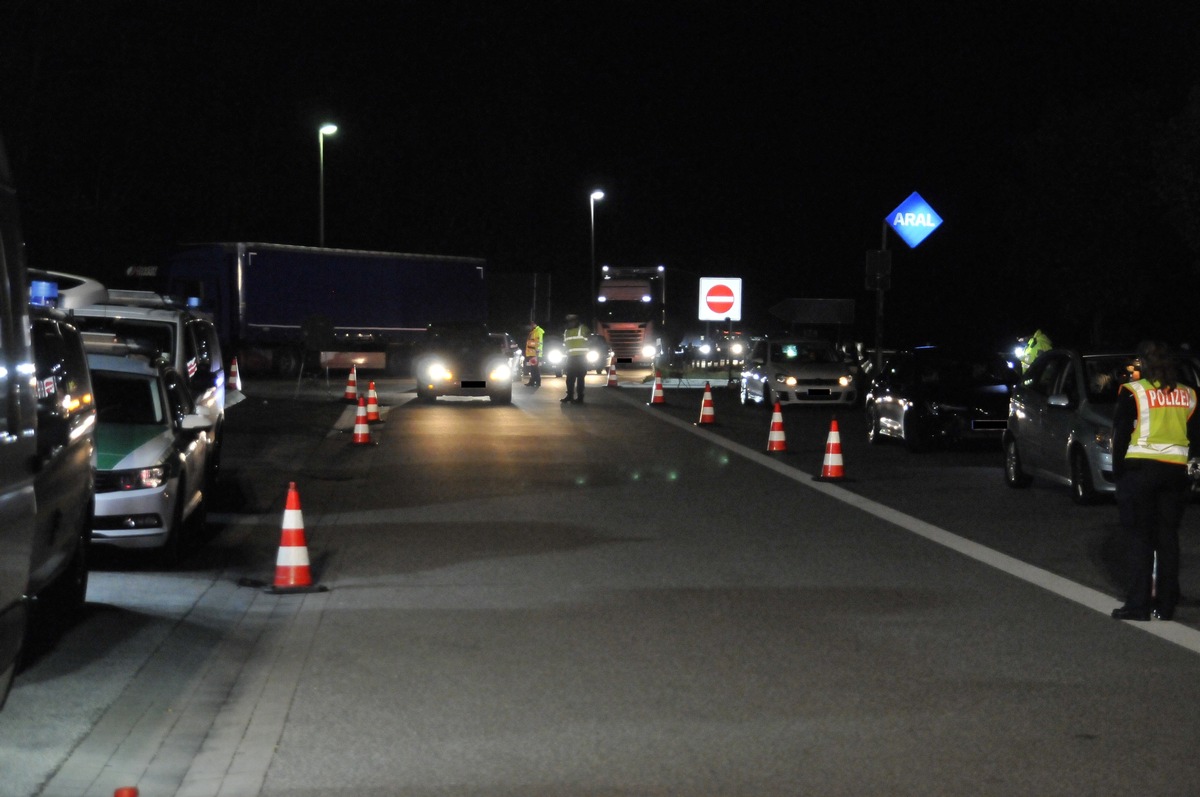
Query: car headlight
<point>500,373</point>
<point>788,380</point>
<point>439,373</point>
<point>555,357</point>
<point>593,356</point>
<point>649,351</point>
<point>705,349</point>
<point>845,380</point>
<point>141,478</point>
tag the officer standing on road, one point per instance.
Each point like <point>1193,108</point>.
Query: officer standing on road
<point>575,339</point>
<point>1155,431</point>
<point>533,354</point>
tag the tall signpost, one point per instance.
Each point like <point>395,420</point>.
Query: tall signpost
<point>913,220</point>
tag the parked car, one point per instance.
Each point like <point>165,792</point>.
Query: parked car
<point>936,394</point>
<point>797,371</point>
<point>67,291</point>
<point>462,360</point>
<point>184,338</point>
<point>65,449</point>
<point>516,352</point>
<point>152,449</point>
<point>1060,420</point>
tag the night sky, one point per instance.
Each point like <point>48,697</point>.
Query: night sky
<point>1060,141</point>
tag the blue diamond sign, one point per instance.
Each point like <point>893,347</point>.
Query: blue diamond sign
<point>913,220</point>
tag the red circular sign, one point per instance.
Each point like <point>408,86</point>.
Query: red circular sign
<point>719,298</point>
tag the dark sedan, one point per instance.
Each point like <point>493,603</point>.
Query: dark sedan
<point>932,395</point>
<point>463,360</point>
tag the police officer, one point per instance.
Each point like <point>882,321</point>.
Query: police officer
<point>1038,342</point>
<point>575,339</point>
<point>1155,431</point>
<point>533,354</point>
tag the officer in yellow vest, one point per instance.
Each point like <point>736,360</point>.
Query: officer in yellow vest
<point>533,354</point>
<point>1156,430</point>
<point>575,340</point>
<point>1037,343</point>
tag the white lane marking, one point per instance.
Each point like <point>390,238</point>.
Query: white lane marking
<point>1177,633</point>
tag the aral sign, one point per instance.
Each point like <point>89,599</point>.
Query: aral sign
<point>913,220</point>
<point>720,298</point>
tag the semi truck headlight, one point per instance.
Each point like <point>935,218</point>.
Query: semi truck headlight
<point>735,348</point>
<point>705,349</point>
<point>649,351</point>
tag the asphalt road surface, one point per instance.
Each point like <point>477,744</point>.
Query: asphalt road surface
<point>606,599</point>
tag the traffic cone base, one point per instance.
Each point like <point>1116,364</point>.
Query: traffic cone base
<point>707,416</point>
<point>351,393</point>
<point>292,571</point>
<point>612,376</point>
<point>832,468</point>
<point>656,397</point>
<point>776,439</point>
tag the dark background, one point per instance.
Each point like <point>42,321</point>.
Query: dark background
<point>1060,141</point>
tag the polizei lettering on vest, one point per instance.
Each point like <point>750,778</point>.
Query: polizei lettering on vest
<point>1167,398</point>
<point>913,220</point>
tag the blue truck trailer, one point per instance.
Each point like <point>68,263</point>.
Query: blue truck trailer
<point>285,307</point>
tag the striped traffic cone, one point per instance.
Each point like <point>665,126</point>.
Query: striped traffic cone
<point>831,468</point>
<point>656,397</point>
<point>776,440</point>
<point>362,432</point>
<point>351,393</point>
<point>235,378</point>
<point>612,376</point>
<point>707,416</point>
<point>372,404</point>
<point>292,572</point>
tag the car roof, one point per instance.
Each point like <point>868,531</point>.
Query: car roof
<point>73,290</point>
<point>165,315</point>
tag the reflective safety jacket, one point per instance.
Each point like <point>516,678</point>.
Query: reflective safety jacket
<point>533,344</point>
<point>1038,342</point>
<point>1161,429</point>
<point>576,340</point>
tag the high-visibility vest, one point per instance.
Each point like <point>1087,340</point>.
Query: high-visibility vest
<point>1160,431</point>
<point>533,344</point>
<point>576,340</point>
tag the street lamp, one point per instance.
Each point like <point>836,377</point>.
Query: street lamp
<point>326,130</point>
<point>595,197</point>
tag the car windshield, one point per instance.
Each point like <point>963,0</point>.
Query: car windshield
<point>154,336</point>
<point>127,398</point>
<point>803,352</point>
<point>468,336</point>
<point>943,367</point>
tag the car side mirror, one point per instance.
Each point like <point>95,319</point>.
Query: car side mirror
<point>197,423</point>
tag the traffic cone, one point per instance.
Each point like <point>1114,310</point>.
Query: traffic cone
<point>372,404</point>
<point>235,379</point>
<point>130,791</point>
<point>292,573</point>
<point>776,440</point>
<point>831,468</point>
<point>362,432</point>
<point>656,397</point>
<point>707,416</point>
<point>612,376</point>
<point>351,393</point>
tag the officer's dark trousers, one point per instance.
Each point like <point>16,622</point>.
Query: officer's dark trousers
<point>575,371</point>
<point>1151,497</point>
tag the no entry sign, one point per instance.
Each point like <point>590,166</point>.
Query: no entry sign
<point>720,298</point>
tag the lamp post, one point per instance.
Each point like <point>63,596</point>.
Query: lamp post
<point>595,197</point>
<point>326,130</point>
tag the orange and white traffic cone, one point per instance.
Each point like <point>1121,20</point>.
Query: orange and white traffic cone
<point>776,440</point>
<point>235,379</point>
<point>656,397</point>
<point>707,416</point>
<point>612,376</point>
<point>832,468</point>
<point>362,432</point>
<point>372,404</point>
<point>129,791</point>
<point>351,393</point>
<point>292,571</point>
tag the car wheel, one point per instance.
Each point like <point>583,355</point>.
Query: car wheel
<point>69,590</point>
<point>1082,490</point>
<point>288,362</point>
<point>874,436</point>
<point>1013,475</point>
<point>171,553</point>
<point>425,396</point>
<point>502,396</point>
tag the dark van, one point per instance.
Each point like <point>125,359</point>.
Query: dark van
<point>18,434</point>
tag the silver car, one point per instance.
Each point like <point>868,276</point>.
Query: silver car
<point>797,371</point>
<point>1060,420</point>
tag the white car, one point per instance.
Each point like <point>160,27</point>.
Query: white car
<point>152,449</point>
<point>797,371</point>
